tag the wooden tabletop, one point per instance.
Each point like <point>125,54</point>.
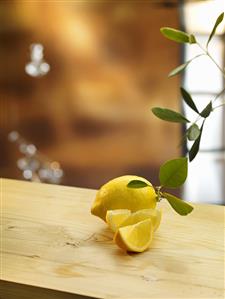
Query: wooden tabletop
<point>52,247</point>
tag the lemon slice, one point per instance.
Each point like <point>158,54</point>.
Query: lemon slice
<point>154,214</point>
<point>115,217</point>
<point>136,237</point>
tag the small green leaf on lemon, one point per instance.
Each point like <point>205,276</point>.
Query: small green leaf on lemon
<point>137,184</point>
<point>173,173</point>
<point>169,115</point>
<point>180,206</point>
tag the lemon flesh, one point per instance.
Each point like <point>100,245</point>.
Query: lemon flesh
<point>136,237</point>
<point>154,214</point>
<point>114,218</point>
<point>116,195</point>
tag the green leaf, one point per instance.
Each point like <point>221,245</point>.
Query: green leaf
<point>195,147</point>
<point>193,132</point>
<point>188,100</point>
<point>173,173</point>
<point>180,206</point>
<point>207,110</point>
<point>169,115</point>
<point>176,35</point>
<point>178,69</point>
<point>218,21</point>
<point>137,184</point>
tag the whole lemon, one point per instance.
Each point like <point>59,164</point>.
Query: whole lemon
<point>116,195</point>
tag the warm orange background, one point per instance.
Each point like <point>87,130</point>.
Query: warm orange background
<point>91,112</point>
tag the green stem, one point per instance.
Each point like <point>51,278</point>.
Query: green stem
<point>222,71</point>
<point>197,119</point>
<point>158,192</point>
<point>199,55</point>
<point>213,60</point>
<point>219,106</point>
<point>216,64</point>
<point>218,95</point>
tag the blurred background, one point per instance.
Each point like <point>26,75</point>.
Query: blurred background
<point>78,80</point>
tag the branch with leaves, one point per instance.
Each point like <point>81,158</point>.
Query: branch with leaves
<point>194,130</point>
<point>174,172</point>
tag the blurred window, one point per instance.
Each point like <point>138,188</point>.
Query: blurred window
<point>202,78</point>
<point>204,82</point>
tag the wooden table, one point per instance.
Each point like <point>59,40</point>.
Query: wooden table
<point>52,247</point>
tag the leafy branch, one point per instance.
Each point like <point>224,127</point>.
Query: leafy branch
<point>173,173</point>
<point>194,131</point>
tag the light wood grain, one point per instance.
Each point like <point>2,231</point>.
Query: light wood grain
<point>50,240</point>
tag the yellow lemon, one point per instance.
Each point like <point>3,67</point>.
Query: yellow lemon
<point>116,195</point>
<point>154,214</point>
<point>136,237</point>
<point>114,218</point>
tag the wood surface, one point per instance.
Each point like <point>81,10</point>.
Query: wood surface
<point>50,241</point>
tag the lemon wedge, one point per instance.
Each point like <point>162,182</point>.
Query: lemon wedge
<point>114,218</point>
<point>136,237</point>
<point>154,214</point>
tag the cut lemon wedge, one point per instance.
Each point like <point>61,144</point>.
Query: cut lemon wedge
<point>114,218</point>
<point>136,237</point>
<point>153,214</point>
